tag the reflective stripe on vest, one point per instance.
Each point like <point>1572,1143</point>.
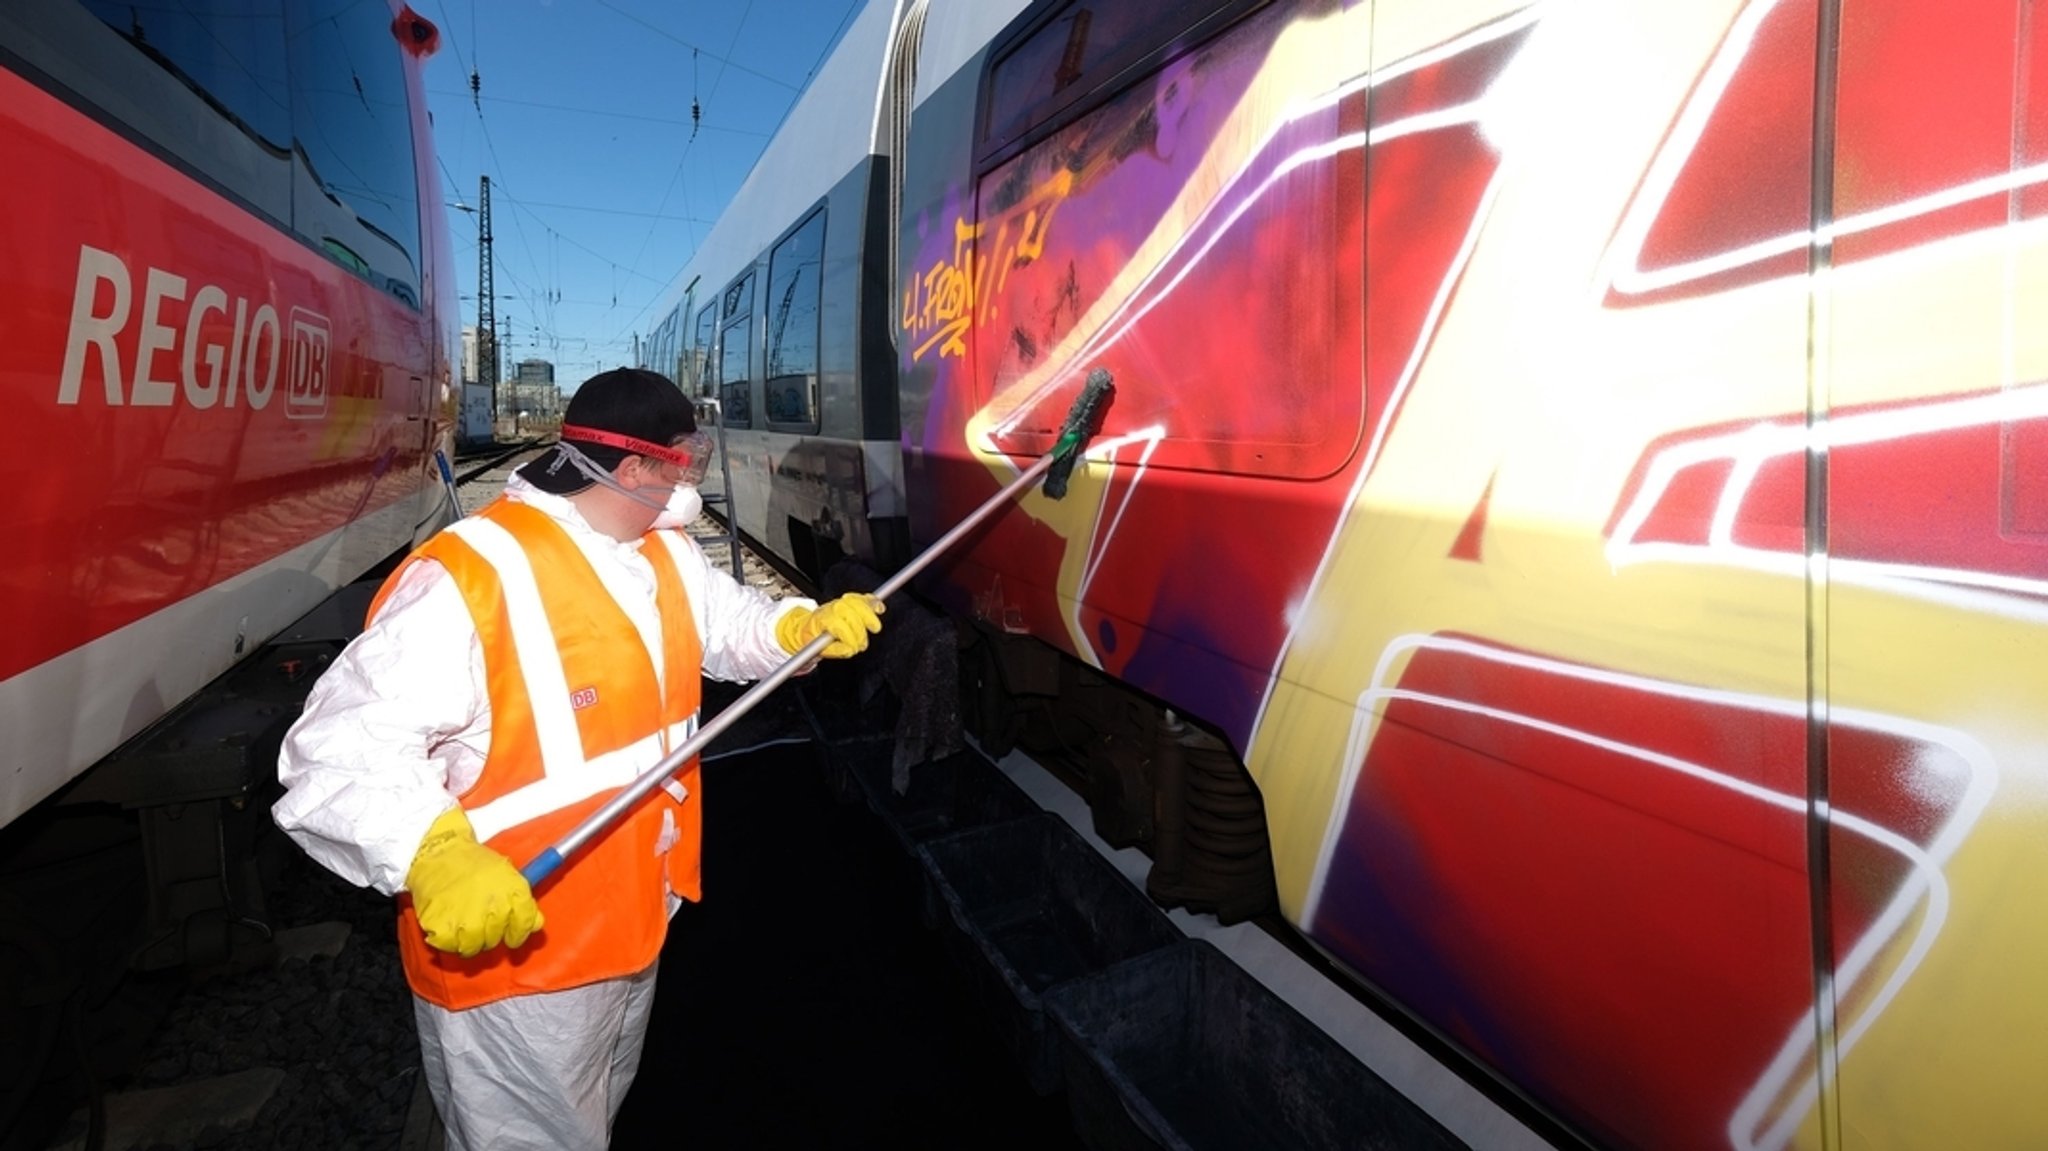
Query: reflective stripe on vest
<point>577,712</point>
<point>552,700</point>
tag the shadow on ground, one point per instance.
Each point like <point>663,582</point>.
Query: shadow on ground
<point>804,1003</point>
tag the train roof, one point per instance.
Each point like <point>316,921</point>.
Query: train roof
<point>835,124</point>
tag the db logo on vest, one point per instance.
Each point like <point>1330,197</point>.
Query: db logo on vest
<point>583,697</point>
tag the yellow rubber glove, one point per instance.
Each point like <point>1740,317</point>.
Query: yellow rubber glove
<point>849,620</point>
<point>468,898</point>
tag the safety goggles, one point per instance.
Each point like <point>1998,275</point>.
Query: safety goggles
<point>690,454</point>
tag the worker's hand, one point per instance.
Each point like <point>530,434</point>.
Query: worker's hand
<point>469,898</point>
<point>849,620</point>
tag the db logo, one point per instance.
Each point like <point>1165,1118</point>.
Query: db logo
<point>307,396</point>
<point>583,697</point>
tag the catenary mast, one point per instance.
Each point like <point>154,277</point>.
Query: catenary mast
<point>486,304</point>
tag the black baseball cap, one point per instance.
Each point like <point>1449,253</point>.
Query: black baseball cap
<point>630,402</point>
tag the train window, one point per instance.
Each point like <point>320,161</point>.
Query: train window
<point>661,346</point>
<point>1090,40</point>
<point>203,82</point>
<point>230,51</point>
<point>675,361</point>
<point>1147,237</point>
<point>794,295</point>
<point>739,297</point>
<point>700,351</point>
<point>736,357</point>
<point>357,195</point>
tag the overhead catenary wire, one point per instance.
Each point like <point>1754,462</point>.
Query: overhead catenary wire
<point>491,146</point>
<point>724,61</point>
<point>447,33</point>
<point>544,297</point>
<point>546,276</point>
<point>796,94</point>
<point>640,116</point>
<point>674,180</point>
<point>585,248</point>
<point>527,206</point>
<point>830,42</point>
<point>552,327</point>
<point>452,185</point>
<point>613,212</point>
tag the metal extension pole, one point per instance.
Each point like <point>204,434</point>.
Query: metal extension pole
<point>546,862</point>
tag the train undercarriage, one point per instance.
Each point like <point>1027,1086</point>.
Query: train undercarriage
<point>1153,779</point>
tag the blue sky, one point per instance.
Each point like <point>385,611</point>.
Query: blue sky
<point>600,187</point>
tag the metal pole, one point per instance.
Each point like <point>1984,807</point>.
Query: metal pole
<point>486,303</point>
<point>546,862</point>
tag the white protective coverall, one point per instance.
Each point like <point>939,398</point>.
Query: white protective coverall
<point>397,727</point>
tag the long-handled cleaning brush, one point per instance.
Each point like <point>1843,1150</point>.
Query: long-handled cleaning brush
<point>1057,466</point>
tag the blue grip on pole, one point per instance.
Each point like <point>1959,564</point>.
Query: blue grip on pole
<point>543,865</point>
<point>448,481</point>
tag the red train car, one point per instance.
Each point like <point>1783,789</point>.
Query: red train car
<point>230,321</point>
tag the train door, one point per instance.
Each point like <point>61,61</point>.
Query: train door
<point>896,106</point>
<point>1536,760</point>
<point>745,504</point>
<point>736,351</point>
<point>1172,193</point>
<point>682,365</point>
<point>1931,402</point>
<point>703,354</point>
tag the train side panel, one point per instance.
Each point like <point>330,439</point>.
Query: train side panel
<point>1587,460</point>
<point>1604,771</point>
<point>1932,374</point>
<point>227,380</point>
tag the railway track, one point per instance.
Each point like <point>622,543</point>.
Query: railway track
<point>493,458</point>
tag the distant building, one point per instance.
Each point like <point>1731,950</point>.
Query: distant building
<point>531,398</point>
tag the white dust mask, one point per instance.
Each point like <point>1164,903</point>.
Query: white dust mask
<point>684,505</point>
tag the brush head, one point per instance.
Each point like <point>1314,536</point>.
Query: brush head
<point>1083,421</point>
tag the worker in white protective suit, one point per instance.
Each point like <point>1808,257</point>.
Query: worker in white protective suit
<point>516,671</point>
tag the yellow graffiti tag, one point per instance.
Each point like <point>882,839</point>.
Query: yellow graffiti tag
<point>954,294</point>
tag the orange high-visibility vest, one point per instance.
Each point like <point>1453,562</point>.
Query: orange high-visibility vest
<point>576,714</point>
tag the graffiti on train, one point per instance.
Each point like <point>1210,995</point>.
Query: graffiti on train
<point>955,292</point>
